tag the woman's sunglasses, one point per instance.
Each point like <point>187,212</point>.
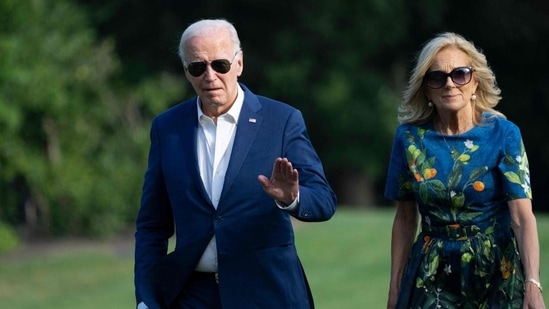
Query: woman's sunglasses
<point>437,79</point>
<point>220,66</point>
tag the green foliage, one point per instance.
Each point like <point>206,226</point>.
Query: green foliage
<point>343,85</point>
<point>346,65</point>
<point>78,90</point>
<point>8,238</point>
<point>74,138</point>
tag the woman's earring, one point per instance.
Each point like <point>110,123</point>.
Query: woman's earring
<point>430,104</point>
<point>474,97</point>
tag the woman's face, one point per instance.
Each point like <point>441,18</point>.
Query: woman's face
<point>452,97</point>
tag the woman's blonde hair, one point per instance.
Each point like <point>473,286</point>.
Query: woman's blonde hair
<point>415,108</point>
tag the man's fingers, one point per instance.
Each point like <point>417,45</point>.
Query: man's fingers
<point>265,182</point>
<point>283,167</point>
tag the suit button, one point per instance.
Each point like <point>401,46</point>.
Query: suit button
<point>218,219</point>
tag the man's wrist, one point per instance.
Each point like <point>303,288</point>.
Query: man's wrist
<point>293,205</point>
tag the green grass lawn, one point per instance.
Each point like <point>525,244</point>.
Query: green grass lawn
<point>346,260</point>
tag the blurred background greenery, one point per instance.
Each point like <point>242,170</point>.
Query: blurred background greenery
<point>80,81</point>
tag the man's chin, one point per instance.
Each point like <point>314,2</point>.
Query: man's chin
<point>212,102</point>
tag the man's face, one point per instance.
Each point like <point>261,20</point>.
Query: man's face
<point>217,91</point>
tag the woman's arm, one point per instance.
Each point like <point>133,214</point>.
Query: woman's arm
<point>525,228</point>
<point>403,235</point>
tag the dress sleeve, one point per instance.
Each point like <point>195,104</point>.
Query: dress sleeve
<point>399,179</point>
<point>514,166</point>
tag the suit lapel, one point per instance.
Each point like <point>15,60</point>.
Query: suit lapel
<point>187,135</point>
<point>249,123</point>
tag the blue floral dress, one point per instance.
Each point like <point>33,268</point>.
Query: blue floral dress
<point>465,255</point>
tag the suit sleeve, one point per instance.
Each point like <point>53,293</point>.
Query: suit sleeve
<point>317,201</point>
<point>154,224</point>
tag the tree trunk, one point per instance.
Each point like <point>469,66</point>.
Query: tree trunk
<point>354,189</point>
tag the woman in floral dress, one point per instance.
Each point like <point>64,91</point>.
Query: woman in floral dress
<point>459,167</point>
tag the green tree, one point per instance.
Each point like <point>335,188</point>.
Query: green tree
<point>345,65</point>
<point>73,136</point>
<point>337,68</point>
<point>332,60</point>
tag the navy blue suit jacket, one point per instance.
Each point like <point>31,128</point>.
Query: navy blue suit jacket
<point>257,259</point>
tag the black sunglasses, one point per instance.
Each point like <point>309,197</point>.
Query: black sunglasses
<point>220,66</point>
<point>437,79</point>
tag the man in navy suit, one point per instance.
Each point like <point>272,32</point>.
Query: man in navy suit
<point>205,183</point>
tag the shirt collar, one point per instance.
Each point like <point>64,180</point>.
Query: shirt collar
<point>233,112</point>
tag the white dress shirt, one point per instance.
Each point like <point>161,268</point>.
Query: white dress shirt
<point>214,147</point>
